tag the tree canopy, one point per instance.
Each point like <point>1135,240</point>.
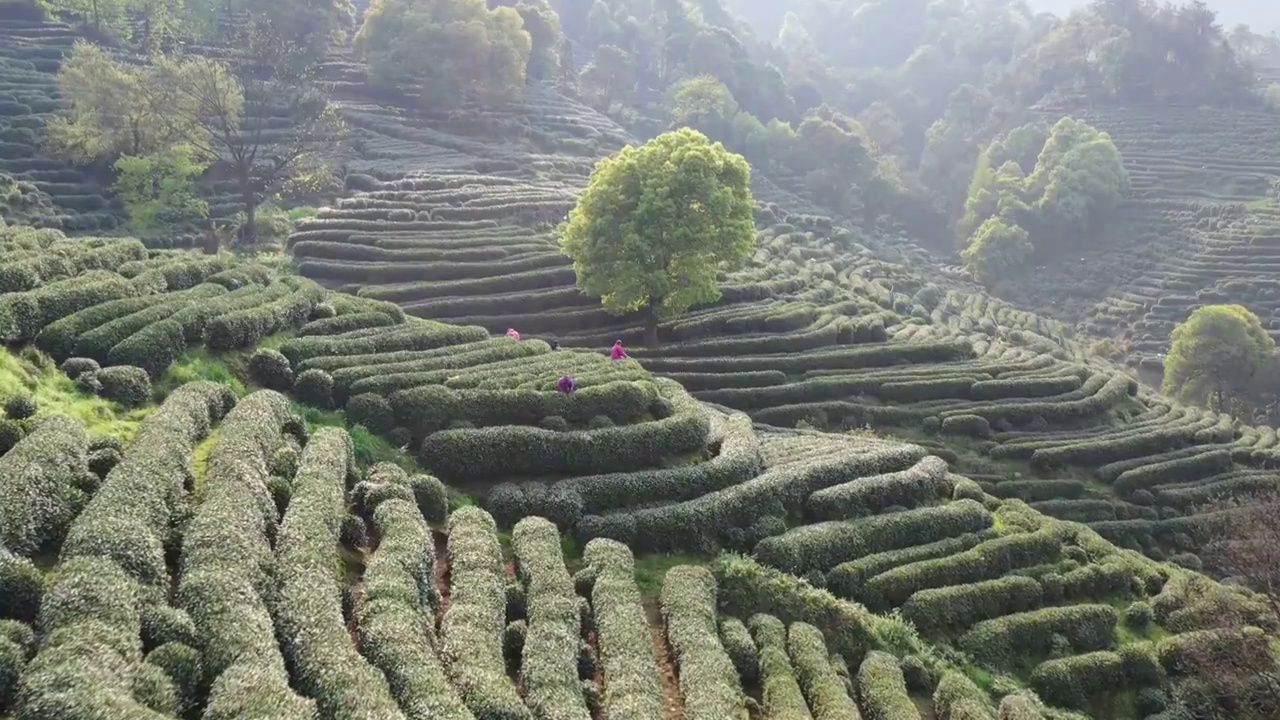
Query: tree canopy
<point>453,49</point>
<point>217,112</point>
<point>930,82</point>
<point>658,222</point>
<point>1219,358</point>
<point>1076,180</point>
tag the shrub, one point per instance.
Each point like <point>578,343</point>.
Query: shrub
<point>369,410</point>
<point>310,614</point>
<point>1072,681</point>
<point>549,667</point>
<point>244,327</point>
<point>12,660</point>
<point>708,679</point>
<point>822,687</point>
<point>10,434</point>
<point>513,641</point>
<point>740,648</point>
<point>88,384</point>
<point>430,408</point>
<point>957,607</point>
<point>20,634</point>
<point>824,545</point>
<point>970,425</point>
<point>622,630</point>
<point>737,462</point>
<point>526,451</point>
<point>432,497</point>
<point>958,698</point>
<point>1021,706</point>
<point>126,384</point>
<point>153,348</point>
<point>924,482</point>
<point>347,323</point>
<point>89,644</point>
<point>24,315</point>
<point>555,423</point>
<point>1190,561</point>
<point>1184,653</point>
<point>314,387</point>
<point>418,336</point>
<point>271,370</point>
<point>225,569</point>
<point>396,622</point>
<point>102,462</point>
<point>1003,640</point>
<point>781,693</point>
<point>128,521</point>
<point>919,676</point>
<point>987,561</point>
<point>883,689</point>
<point>154,690</point>
<point>21,587</point>
<point>19,407</point>
<point>471,632</point>
<point>1141,664</point>
<point>181,664</point>
<point>745,587</point>
<point>162,624</point>
<point>1151,701</point>
<point>38,484</point>
<point>1138,615</point>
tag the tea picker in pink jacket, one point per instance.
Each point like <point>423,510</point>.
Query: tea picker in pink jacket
<point>618,352</point>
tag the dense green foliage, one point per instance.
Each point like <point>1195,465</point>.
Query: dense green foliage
<point>1016,210</point>
<point>159,190</point>
<point>656,223</point>
<point>1221,358</point>
<point>884,492</point>
<point>469,49</point>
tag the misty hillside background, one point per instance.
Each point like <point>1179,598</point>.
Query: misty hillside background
<point>1261,15</point>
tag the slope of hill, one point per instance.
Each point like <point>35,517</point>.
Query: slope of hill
<point>256,506</point>
<point>57,194</point>
<point>1198,228</point>
<point>1261,17</point>
<point>991,510</point>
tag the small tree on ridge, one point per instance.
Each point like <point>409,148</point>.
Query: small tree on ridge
<point>1217,359</point>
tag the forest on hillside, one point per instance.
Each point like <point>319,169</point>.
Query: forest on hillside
<point>1262,18</point>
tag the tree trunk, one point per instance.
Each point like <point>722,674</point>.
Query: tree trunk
<point>250,230</point>
<point>211,241</point>
<point>651,326</point>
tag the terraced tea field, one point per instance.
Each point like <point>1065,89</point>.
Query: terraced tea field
<point>825,327</point>
<point>57,194</point>
<point>1201,227</point>
<point>178,560</point>
<point>847,489</point>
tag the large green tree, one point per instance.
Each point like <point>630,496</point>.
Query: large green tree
<point>658,222</point>
<point>1218,358</point>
